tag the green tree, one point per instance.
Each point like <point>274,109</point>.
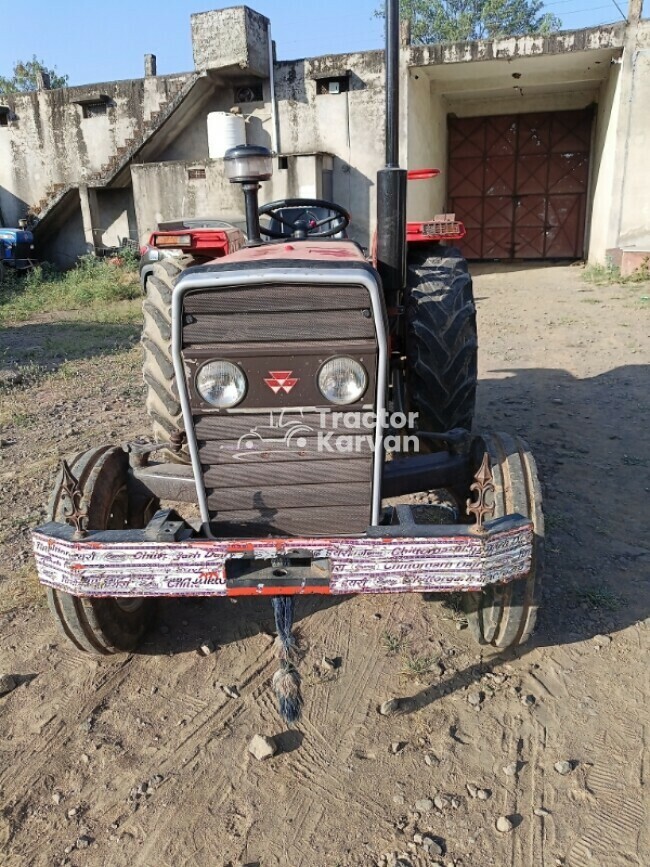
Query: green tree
<point>462,20</point>
<point>25,77</point>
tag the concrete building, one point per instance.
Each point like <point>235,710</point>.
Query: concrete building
<point>541,140</point>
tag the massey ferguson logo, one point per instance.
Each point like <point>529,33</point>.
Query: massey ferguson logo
<point>281,380</point>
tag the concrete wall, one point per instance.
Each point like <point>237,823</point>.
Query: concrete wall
<point>511,104</point>
<point>48,141</point>
<point>64,246</point>
<point>427,146</point>
<point>55,144</point>
<point>235,38</point>
<point>621,215</point>
<point>349,126</point>
<point>117,220</point>
<point>192,141</point>
<point>163,191</point>
<point>511,48</point>
<point>634,226</point>
<point>603,163</point>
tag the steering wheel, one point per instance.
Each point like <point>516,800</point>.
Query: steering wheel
<point>305,227</point>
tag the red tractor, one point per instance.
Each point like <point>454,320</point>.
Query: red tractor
<point>203,239</point>
<point>443,228</point>
<point>279,378</point>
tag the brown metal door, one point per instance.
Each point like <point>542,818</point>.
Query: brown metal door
<point>519,182</point>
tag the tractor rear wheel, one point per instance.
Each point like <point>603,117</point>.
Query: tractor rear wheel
<point>504,615</point>
<point>162,400</point>
<point>100,625</point>
<point>441,339</point>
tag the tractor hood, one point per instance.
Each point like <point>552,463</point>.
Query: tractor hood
<point>295,250</point>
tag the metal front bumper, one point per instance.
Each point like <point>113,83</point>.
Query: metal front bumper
<point>385,560</point>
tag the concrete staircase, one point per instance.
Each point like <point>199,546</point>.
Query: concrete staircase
<point>45,210</point>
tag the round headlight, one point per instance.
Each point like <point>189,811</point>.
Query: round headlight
<point>342,380</point>
<point>221,384</point>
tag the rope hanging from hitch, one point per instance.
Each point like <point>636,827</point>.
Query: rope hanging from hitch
<point>286,680</point>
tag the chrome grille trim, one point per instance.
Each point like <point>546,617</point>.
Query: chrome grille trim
<point>294,276</point>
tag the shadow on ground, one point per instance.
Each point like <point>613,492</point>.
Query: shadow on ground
<point>591,439</point>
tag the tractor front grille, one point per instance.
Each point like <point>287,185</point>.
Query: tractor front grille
<point>21,251</point>
<point>264,468</point>
<point>266,314</point>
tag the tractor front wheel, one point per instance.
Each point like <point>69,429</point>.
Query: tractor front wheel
<point>100,625</point>
<point>504,615</point>
<point>162,401</point>
<point>441,341</point>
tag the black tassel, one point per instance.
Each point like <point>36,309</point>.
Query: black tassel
<point>286,681</point>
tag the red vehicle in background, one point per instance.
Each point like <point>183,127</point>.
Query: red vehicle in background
<point>202,239</point>
<point>443,227</point>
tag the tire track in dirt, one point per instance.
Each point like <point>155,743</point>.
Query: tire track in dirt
<point>524,742</point>
<point>302,811</point>
<point>612,834</point>
<point>330,629</point>
<point>213,782</point>
<point>318,772</point>
<point>315,774</point>
<point>514,740</point>
<point>305,821</point>
<point>252,684</point>
<point>365,667</point>
<point>536,844</point>
<point>49,758</point>
<point>611,785</point>
<point>27,770</point>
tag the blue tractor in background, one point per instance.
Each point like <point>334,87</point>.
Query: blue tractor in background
<point>16,249</point>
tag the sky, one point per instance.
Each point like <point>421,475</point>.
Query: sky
<point>94,42</point>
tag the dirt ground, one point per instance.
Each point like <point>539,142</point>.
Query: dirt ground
<point>142,760</point>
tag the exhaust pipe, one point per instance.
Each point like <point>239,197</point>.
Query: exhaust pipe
<point>391,181</point>
<point>392,84</point>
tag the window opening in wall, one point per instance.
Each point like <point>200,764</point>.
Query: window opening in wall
<point>283,163</point>
<point>4,118</point>
<point>249,93</point>
<point>196,174</point>
<point>94,109</point>
<point>331,86</point>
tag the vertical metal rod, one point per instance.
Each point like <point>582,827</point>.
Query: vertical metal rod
<point>251,200</point>
<point>275,120</point>
<point>392,82</point>
<point>391,181</point>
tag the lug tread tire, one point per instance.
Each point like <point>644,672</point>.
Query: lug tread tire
<point>505,615</point>
<point>162,400</point>
<point>99,625</point>
<point>423,257</point>
<point>442,343</point>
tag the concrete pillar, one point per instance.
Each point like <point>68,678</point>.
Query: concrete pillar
<point>149,65</point>
<point>42,80</point>
<point>628,62</point>
<point>634,11</point>
<point>405,32</point>
<point>90,218</point>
